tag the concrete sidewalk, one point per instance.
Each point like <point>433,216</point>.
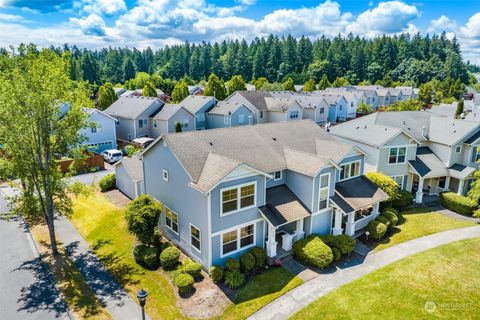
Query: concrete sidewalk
<point>117,302</point>
<point>298,298</point>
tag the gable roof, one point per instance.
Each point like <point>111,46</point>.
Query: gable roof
<point>298,146</point>
<point>91,111</point>
<point>193,103</point>
<point>280,104</point>
<point>168,110</point>
<point>255,98</point>
<point>133,166</point>
<point>130,107</point>
<point>227,107</point>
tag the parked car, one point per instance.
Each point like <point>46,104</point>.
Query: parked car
<point>112,155</point>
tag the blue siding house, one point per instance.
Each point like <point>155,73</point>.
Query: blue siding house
<point>225,191</point>
<point>228,114</point>
<point>198,106</point>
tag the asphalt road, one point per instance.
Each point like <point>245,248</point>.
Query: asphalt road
<point>26,290</point>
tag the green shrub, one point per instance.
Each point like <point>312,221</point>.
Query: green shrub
<point>476,213</point>
<point>344,243</point>
<point>169,257</point>
<point>184,282</point>
<point>376,229</point>
<point>146,256</point>
<point>191,267</point>
<point>142,216</point>
<point>312,250</point>
<point>384,182</point>
<point>260,256</point>
<point>232,264</point>
<point>391,210</point>
<point>247,262</point>
<point>391,217</point>
<point>336,254</point>
<point>107,182</point>
<point>234,279</point>
<point>404,199</point>
<point>458,203</point>
<point>130,150</point>
<point>383,220</point>
<point>216,273</point>
<point>386,204</point>
<point>80,189</point>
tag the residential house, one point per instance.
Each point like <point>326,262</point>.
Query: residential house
<point>254,100</point>
<point>198,106</point>
<point>129,176</point>
<point>227,190</point>
<point>283,109</point>
<point>423,152</point>
<point>165,121</point>
<point>134,116</point>
<point>383,97</point>
<point>314,107</point>
<point>228,114</point>
<point>371,94</point>
<point>337,111</point>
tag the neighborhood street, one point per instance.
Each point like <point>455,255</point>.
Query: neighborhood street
<point>27,291</point>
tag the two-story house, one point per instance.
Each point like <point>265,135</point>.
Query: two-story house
<point>134,116</point>
<point>227,190</point>
<point>165,121</point>
<point>436,154</point>
<point>228,114</point>
<point>198,106</point>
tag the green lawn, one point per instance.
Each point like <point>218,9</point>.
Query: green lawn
<point>103,226</point>
<point>420,222</point>
<point>448,275</point>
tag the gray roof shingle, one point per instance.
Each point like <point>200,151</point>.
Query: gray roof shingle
<point>193,103</point>
<point>359,193</point>
<point>130,107</point>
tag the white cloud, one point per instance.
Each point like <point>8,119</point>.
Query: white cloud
<point>387,18</point>
<point>443,23</point>
<point>91,25</point>
<point>10,17</point>
<point>108,7</point>
<point>247,2</point>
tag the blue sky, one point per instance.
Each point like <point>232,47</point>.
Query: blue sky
<point>155,23</point>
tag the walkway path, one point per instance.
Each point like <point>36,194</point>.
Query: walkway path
<point>454,215</point>
<point>301,296</point>
<point>117,302</point>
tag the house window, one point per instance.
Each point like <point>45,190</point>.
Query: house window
<point>195,237</point>
<point>341,107</point>
<point>155,124</point>
<point>322,110</point>
<point>324,191</point>
<point>93,129</point>
<point>235,240</point>
<point>441,182</point>
<point>171,220</point>
<point>237,198</point>
<point>458,149</point>
<point>277,175</point>
<point>350,170</point>
<point>476,155</point>
<point>399,180</point>
<point>142,123</point>
<point>241,118</point>
<point>294,114</point>
<point>225,119</point>
<point>185,123</point>
<point>397,155</point>
<point>117,122</point>
<point>261,114</point>
<point>165,175</point>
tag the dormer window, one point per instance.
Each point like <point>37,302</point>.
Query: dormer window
<point>350,170</point>
<point>277,175</point>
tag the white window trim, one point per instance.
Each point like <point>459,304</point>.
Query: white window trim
<point>155,123</point>
<point>403,180</point>
<point>350,163</point>
<point>144,123</point>
<point>276,179</point>
<point>238,198</point>
<point>397,147</point>
<point>178,221</point>
<point>164,171</point>
<point>457,148</point>
<point>320,188</point>
<point>199,250</point>
<point>294,112</point>
<point>222,255</point>
<point>185,123</point>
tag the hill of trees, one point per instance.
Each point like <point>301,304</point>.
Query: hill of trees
<point>408,59</point>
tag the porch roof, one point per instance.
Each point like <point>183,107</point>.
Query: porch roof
<point>460,171</point>
<point>427,164</point>
<point>357,193</point>
<point>283,206</point>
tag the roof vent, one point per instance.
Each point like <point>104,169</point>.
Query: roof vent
<point>358,127</point>
<point>210,143</point>
<point>274,139</point>
<point>365,127</point>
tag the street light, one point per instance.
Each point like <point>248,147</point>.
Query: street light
<point>142,298</point>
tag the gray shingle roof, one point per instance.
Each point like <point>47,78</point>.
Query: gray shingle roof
<point>427,164</point>
<point>460,171</point>
<point>359,193</point>
<point>194,103</point>
<point>283,206</point>
<point>256,98</point>
<point>225,107</point>
<point>261,147</point>
<point>280,104</point>
<point>168,110</point>
<point>130,107</point>
<point>134,167</point>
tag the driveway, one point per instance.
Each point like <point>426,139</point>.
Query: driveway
<point>27,290</point>
<point>90,178</point>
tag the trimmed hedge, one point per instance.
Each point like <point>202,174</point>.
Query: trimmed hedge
<point>384,182</point>
<point>384,220</point>
<point>376,229</point>
<point>312,250</point>
<point>192,268</point>
<point>260,256</point>
<point>336,254</point>
<point>391,217</point>
<point>184,282</point>
<point>342,242</point>
<point>458,203</point>
<point>216,273</point>
<point>169,257</point>
<point>404,199</point>
<point>232,264</point>
<point>391,210</point>
<point>234,279</point>
<point>108,182</point>
<point>146,256</point>
<point>247,262</point>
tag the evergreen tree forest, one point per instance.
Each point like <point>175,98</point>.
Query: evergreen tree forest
<point>406,59</point>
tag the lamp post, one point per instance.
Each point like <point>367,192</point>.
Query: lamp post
<point>142,298</point>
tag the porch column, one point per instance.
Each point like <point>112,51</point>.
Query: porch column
<point>447,183</point>
<point>271,243</point>
<point>461,184</point>
<point>376,208</point>
<point>350,227</point>
<point>337,229</point>
<point>419,195</point>
<point>299,233</point>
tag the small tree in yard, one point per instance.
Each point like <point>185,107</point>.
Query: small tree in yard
<point>384,182</point>
<point>33,131</point>
<point>149,90</point>
<point>178,127</point>
<point>142,216</point>
<point>289,85</point>
<point>459,110</point>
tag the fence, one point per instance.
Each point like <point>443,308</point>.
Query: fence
<point>93,161</point>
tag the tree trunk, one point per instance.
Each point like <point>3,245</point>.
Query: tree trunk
<point>50,216</point>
